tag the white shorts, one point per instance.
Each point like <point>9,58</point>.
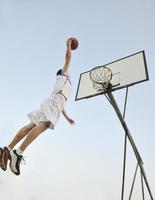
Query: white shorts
<point>50,110</point>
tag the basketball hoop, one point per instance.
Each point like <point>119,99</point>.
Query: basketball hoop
<point>101,77</point>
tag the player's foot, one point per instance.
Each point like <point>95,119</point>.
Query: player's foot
<point>6,157</point>
<point>1,158</point>
<point>15,161</point>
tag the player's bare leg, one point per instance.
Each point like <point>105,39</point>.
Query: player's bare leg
<point>16,155</point>
<point>21,134</point>
<point>33,134</point>
<point>5,152</point>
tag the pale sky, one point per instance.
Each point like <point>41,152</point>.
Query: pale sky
<point>83,162</point>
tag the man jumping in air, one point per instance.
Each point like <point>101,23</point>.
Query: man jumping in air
<point>42,119</point>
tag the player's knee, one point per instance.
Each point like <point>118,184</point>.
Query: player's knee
<point>47,124</point>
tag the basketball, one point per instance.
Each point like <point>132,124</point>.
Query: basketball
<point>74,44</point>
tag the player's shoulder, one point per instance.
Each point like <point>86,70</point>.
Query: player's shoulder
<point>64,76</point>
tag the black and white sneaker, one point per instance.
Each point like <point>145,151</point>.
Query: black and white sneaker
<point>15,161</point>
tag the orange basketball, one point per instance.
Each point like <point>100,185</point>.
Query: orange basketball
<point>74,44</point>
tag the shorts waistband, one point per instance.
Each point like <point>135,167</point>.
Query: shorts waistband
<point>61,94</point>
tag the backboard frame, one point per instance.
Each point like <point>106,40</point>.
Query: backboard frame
<point>116,88</point>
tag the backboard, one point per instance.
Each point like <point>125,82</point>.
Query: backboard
<point>126,72</point>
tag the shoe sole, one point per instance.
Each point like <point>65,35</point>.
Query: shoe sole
<point>6,157</point>
<point>1,160</point>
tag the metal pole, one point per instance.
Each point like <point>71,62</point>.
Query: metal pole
<point>124,166</point>
<point>125,148</point>
<point>142,185</point>
<point>124,125</point>
<point>134,178</point>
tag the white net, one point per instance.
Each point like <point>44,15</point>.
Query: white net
<point>101,77</point>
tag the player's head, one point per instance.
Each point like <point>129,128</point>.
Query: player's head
<point>59,72</point>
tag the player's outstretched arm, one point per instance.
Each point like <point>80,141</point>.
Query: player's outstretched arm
<point>71,121</point>
<point>68,57</point>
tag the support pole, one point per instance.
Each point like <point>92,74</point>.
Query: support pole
<point>142,186</point>
<point>125,148</point>
<point>127,132</point>
<point>133,182</point>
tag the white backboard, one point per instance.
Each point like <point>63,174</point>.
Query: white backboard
<point>126,72</point>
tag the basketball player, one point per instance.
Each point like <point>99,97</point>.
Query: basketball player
<point>42,119</point>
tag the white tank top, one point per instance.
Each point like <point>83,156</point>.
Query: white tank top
<point>62,85</point>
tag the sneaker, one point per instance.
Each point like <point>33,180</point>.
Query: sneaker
<point>6,157</point>
<point>15,161</point>
<point>1,159</point>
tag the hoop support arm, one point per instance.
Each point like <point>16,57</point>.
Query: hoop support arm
<point>127,132</point>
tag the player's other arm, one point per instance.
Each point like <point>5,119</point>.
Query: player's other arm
<point>68,57</point>
<point>71,121</point>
